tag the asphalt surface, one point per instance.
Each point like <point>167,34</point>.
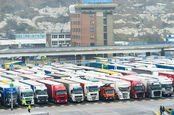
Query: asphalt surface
<point>128,107</point>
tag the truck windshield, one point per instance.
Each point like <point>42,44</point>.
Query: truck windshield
<point>166,85</point>
<point>156,87</point>
<point>92,88</point>
<point>60,92</point>
<point>41,92</point>
<point>109,91</point>
<point>27,94</point>
<point>77,91</point>
<point>139,88</point>
<point>124,88</point>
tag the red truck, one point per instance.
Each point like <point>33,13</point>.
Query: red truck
<point>168,74</point>
<point>56,91</point>
<point>107,92</point>
<point>137,86</point>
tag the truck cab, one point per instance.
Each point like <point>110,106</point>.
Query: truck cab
<point>107,92</point>
<point>40,91</point>
<point>5,92</point>
<point>25,93</point>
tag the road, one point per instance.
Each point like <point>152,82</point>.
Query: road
<point>129,107</point>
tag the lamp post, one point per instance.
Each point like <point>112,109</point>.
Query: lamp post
<point>11,86</point>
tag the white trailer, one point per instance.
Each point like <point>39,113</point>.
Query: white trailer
<point>166,83</point>
<point>75,91</point>
<point>25,93</point>
<point>39,89</point>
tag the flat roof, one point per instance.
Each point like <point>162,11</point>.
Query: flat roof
<point>95,6</point>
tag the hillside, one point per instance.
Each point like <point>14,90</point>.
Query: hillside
<point>134,20</point>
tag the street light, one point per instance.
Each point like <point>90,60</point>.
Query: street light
<point>11,86</point>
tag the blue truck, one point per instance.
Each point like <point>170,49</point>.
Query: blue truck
<point>5,92</point>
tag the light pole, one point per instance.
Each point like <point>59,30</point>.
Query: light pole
<point>11,86</point>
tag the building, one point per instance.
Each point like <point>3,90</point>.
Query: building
<point>31,40</point>
<point>92,23</point>
<point>61,39</point>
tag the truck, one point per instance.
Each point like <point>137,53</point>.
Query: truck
<point>57,92</point>
<point>75,91</point>
<point>137,87</point>
<point>5,92</point>
<point>107,92</point>
<point>121,87</point>
<point>166,83</point>
<point>25,93</point>
<point>152,86</point>
<point>39,89</point>
<point>91,90</point>
<point>167,74</point>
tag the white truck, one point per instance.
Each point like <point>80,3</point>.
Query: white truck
<point>166,83</point>
<point>152,86</point>
<point>91,90</point>
<point>121,87</point>
<point>39,89</point>
<point>74,89</point>
<point>25,93</point>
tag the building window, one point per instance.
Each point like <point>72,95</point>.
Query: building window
<point>105,28</point>
<point>92,44</point>
<point>67,36</point>
<point>105,42</point>
<point>54,36</point>
<point>91,15</point>
<point>61,42</point>
<point>104,21</point>
<point>91,29</point>
<point>105,36</point>
<point>61,36</point>
<point>91,36</point>
<point>67,42</point>
<point>54,42</point>
<point>92,22</point>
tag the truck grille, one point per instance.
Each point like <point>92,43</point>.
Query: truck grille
<point>62,98</point>
<point>78,98</point>
<point>157,93</point>
<point>28,102</point>
<point>140,95</point>
<point>125,95</point>
<point>42,97</point>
